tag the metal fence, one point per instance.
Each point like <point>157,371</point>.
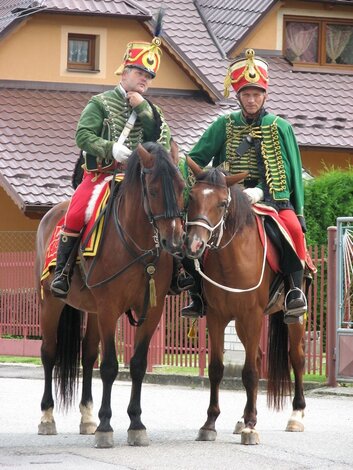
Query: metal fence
<point>170,345</point>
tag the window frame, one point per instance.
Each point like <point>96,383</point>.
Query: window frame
<point>91,65</point>
<point>321,54</point>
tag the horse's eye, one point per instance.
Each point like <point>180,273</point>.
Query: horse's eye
<point>223,204</point>
<point>152,192</point>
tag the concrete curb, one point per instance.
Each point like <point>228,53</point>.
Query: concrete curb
<point>30,371</point>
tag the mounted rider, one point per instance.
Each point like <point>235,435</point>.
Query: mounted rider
<point>265,146</point>
<point>110,127</point>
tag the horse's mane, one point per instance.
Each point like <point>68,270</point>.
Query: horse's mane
<point>163,168</point>
<point>240,213</point>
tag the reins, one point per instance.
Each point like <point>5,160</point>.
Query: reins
<point>198,221</point>
<point>152,253</point>
<point>231,289</point>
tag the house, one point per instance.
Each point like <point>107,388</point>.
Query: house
<point>44,86</point>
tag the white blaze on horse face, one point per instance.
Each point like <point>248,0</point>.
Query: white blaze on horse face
<point>207,191</point>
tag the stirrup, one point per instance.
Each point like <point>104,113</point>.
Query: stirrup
<point>294,308</point>
<point>181,283</point>
<point>60,291</point>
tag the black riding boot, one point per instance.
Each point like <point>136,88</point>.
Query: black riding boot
<point>295,301</point>
<point>62,274</point>
<point>197,307</point>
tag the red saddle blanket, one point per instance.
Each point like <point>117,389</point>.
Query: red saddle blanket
<point>91,244</point>
<point>272,253</point>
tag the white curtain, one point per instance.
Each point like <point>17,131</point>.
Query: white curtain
<point>299,37</point>
<point>337,39</point>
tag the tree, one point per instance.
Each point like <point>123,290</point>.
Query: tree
<point>327,196</point>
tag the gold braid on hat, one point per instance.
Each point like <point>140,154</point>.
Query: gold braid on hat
<point>251,72</point>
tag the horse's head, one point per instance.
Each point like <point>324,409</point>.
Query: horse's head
<point>163,194</point>
<point>209,201</point>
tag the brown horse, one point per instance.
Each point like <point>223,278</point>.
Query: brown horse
<point>237,288</point>
<point>132,269</point>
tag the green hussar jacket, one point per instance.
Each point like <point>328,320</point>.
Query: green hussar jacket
<point>282,165</point>
<point>103,120</point>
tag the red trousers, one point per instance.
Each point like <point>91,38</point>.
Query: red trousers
<point>76,213</point>
<point>293,226</point>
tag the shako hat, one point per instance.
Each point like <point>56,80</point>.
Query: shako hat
<point>144,55</point>
<point>244,72</point>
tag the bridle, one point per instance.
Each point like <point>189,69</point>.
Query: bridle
<point>214,238</point>
<point>177,214</point>
<point>212,228</point>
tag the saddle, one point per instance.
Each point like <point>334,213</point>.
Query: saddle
<point>281,255</point>
<point>91,235</point>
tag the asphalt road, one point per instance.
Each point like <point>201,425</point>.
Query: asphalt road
<point>173,415</point>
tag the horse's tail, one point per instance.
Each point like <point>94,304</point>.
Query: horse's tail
<point>67,364</point>
<point>278,373</point>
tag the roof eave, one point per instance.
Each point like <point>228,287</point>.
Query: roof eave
<point>142,17</point>
<point>8,188</point>
<point>188,66</point>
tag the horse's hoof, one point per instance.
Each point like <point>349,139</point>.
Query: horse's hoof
<point>294,426</point>
<point>239,427</point>
<point>103,440</point>
<point>88,428</point>
<point>47,429</point>
<point>249,437</point>
<point>206,435</point>
<point>295,422</point>
<point>137,437</point>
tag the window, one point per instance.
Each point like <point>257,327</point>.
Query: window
<point>81,54</point>
<point>314,41</point>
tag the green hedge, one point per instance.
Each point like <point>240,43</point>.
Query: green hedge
<point>327,196</point>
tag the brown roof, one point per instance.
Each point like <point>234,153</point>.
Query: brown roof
<point>187,34</point>
<point>38,149</point>
<point>316,104</point>
<point>14,11</point>
<point>230,21</point>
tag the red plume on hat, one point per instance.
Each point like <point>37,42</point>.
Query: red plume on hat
<point>248,71</point>
<point>145,55</point>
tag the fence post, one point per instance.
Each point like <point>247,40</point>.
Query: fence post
<point>331,307</point>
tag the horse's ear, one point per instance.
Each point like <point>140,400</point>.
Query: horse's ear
<point>233,179</point>
<point>174,151</point>
<point>146,158</point>
<point>193,166</point>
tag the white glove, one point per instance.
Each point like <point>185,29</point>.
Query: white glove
<point>254,194</point>
<point>120,152</point>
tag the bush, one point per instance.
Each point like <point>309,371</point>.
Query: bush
<point>328,196</point>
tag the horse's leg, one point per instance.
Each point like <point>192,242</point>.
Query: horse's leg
<point>49,320</point>
<point>249,331</point>
<point>240,425</point>
<point>108,370</point>
<point>137,434</point>
<point>297,358</point>
<point>90,345</point>
<point>215,373</point>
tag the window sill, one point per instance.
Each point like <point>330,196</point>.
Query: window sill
<point>321,69</point>
<point>82,70</point>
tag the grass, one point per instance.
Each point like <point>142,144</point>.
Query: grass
<point>168,369</point>
<point>20,360</point>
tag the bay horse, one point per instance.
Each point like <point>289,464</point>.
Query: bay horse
<point>142,230</point>
<point>236,287</point>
